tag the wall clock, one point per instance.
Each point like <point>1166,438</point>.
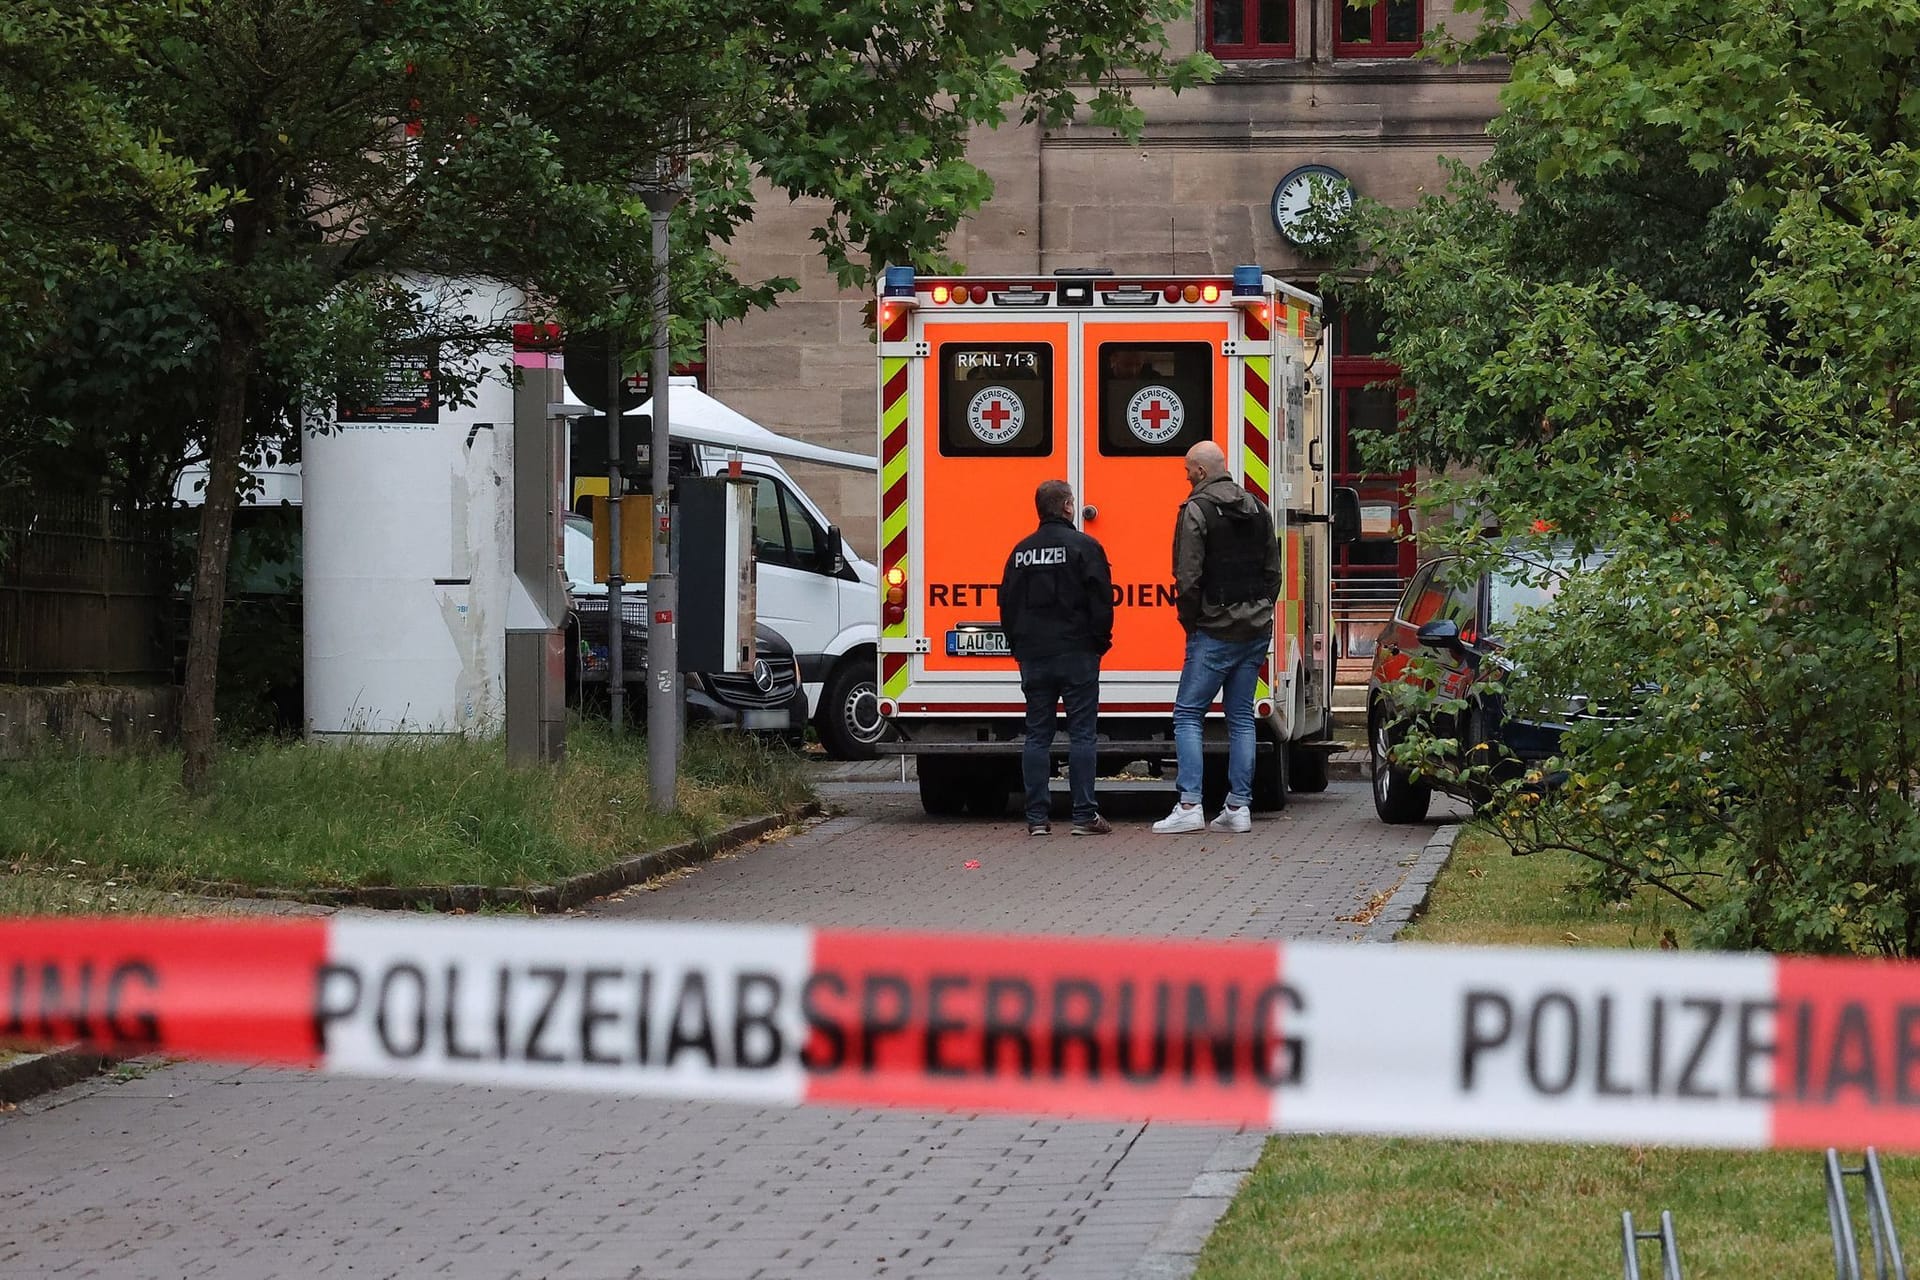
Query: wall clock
<point>1293,196</point>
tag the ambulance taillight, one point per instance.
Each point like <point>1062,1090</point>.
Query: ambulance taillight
<point>896,597</point>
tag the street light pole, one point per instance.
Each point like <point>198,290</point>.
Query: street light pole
<point>616,584</point>
<point>663,638</point>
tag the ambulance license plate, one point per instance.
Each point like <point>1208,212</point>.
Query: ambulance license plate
<point>978,642</point>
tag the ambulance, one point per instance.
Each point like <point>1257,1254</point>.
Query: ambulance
<point>989,386</point>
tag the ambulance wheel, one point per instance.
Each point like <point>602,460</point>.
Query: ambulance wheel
<point>943,792</point>
<point>1270,780</point>
<point>1213,782</point>
<point>1306,770</point>
<point>988,791</point>
<point>849,719</point>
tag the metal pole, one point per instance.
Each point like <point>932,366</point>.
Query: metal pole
<point>1669,1248</point>
<point>616,584</point>
<point>1846,1253</point>
<point>663,639</point>
<point>1880,1217</point>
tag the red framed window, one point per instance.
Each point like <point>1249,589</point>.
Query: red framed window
<point>1367,575</point>
<point>1250,28</point>
<point>1384,29</point>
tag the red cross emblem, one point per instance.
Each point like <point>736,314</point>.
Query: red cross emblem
<point>1155,415</point>
<point>995,415</point>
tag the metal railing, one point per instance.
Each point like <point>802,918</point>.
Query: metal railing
<point>1361,607</point>
<point>1887,1261</point>
<point>1669,1250</point>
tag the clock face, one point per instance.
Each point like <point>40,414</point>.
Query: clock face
<point>1294,196</point>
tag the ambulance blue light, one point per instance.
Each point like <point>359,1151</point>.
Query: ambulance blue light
<point>1249,286</point>
<point>898,283</point>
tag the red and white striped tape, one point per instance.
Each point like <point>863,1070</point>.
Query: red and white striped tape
<point>1607,1046</point>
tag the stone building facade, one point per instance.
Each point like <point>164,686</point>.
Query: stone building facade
<point>1303,82</point>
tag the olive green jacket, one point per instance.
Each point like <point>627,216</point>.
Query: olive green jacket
<point>1239,621</point>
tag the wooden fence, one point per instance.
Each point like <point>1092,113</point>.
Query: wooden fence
<point>83,592</point>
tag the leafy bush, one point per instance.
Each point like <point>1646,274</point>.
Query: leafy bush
<point>1671,316</point>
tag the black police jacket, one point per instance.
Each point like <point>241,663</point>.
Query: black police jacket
<point>1056,595</point>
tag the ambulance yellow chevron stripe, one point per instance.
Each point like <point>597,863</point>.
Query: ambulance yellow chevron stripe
<point>894,513</point>
<point>1256,419</point>
<point>1256,450</point>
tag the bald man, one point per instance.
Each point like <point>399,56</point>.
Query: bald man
<point>1226,571</point>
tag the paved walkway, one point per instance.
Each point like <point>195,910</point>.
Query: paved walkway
<point>205,1171</point>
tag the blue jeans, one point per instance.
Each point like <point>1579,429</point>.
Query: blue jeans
<point>1230,668</point>
<point>1073,679</point>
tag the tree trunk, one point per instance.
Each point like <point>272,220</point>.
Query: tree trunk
<point>234,367</point>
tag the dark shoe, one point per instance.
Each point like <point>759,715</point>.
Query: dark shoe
<point>1094,826</point>
<point>1039,829</point>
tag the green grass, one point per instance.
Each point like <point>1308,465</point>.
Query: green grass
<point>1488,897</point>
<point>80,892</point>
<point>1359,1208</point>
<point>1354,1209</point>
<point>414,813</point>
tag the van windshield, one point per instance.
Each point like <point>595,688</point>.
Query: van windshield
<point>579,550</point>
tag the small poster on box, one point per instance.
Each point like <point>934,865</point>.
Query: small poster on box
<point>407,393</point>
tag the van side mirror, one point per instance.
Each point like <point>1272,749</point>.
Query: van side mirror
<point>833,554</point>
<point>1345,515</point>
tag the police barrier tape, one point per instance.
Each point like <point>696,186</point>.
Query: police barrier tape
<point>1718,1050</point>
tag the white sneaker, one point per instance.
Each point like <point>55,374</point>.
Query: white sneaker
<point>1232,819</point>
<point>1184,818</point>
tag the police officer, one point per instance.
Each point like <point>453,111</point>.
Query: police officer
<point>1056,607</point>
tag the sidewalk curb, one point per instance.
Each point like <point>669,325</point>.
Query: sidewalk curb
<point>1174,1252</point>
<point>1410,899</point>
<point>39,1073</point>
<point>1350,766</point>
<point>548,898</point>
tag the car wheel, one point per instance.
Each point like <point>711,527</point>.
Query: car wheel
<point>1397,798</point>
<point>850,721</point>
<point>943,791</point>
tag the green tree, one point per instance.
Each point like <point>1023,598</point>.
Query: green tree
<point>1668,317</point>
<point>74,158</point>
<point>345,150</point>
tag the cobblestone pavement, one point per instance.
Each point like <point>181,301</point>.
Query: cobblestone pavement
<point>196,1170</point>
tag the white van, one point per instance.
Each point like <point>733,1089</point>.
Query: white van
<point>812,588</point>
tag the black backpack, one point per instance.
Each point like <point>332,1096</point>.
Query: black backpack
<point>1237,541</point>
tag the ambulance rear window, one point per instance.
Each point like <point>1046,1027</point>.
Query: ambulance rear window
<point>1156,398</point>
<point>996,400</point>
